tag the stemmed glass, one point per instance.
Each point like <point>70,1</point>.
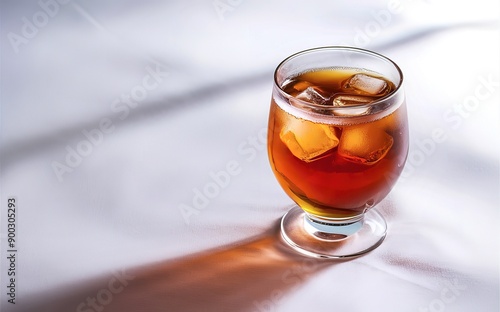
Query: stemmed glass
<point>337,143</point>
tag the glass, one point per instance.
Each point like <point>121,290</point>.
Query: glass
<point>337,143</point>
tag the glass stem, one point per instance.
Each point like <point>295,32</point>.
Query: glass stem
<point>332,231</point>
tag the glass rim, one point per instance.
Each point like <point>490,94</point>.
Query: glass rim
<point>343,108</point>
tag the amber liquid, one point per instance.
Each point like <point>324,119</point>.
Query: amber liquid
<point>356,167</point>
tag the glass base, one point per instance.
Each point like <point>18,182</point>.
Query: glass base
<point>321,240</point>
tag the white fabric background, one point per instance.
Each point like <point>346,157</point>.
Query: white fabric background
<point>119,209</point>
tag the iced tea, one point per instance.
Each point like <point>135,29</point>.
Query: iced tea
<point>335,147</point>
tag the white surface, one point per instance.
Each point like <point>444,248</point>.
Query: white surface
<point>119,208</point>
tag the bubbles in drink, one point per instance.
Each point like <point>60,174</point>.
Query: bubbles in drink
<point>307,140</point>
<point>365,143</point>
<point>366,85</point>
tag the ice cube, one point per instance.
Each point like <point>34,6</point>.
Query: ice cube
<point>347,100</point>
<point>365,143</point>
<point>302,85</point>
<point>350,100</point>
<point>307,140</point>
<point>315,95</point>
<point>367,85</point>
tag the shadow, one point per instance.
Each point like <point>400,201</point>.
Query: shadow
<point>248,276</point>
<point>16,151</point>
<point>425,32</point>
